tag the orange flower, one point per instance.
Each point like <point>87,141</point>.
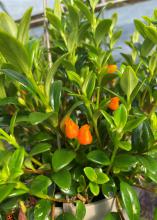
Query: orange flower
<point>71,128</point>
<point>111,68</point>
<point>84,135</point>
<point>114,103</point>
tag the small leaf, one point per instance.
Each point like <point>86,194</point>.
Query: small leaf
<point>128,81</point>
<point>94,188</point>
<point>108,118</point>
<point>98,156</point>
<point>102,29</point>
<point>151,33</point>
<point>125,145</point>
<point>112,216</point>
<point>57,9</point>
<point>134,123</point>
<point>102,178</point>
<point>5,190</point>
<point>42,209</point>
<point>40,148</point>
<point>62,158</point>
<point>120,117</point>
<point>80,210</point>
<point>130,201</point>
<point>147,47</point>
<point>125,162</point>
<point>38,117</point>
<point>74,77</point>
<point>90,173</point>
<point>84,9</point>
<point>140,26</point>
<point>55,95</point>
<point>66,216</point>
<point>109,189</point>
<point>23,28</point>
<point>62,178</point>
<point>39,186</point>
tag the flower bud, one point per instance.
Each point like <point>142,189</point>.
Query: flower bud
<point>71,128</point>
<point>111,68</point>
<point>114,103</point>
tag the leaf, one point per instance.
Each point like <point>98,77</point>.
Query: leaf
<point>8,101</point>
<point>89,84</point>
<point>128,81</point>
<point>134,123</point>
<point>23,28</point>
<point>16,163</point>
<point>39,186</point>
<point>102,178</point>
<point>151,33</point>
<point>12,123</point>
<point>140,26</point>
<point>62,178</point>
<point>109,189</point>
<point>84,9</point>
<point>102,29</point>
<point>5,190</point>
<point>146,47</point>
<point>93,4</point>
<point>62,158</point>
<point>42,209</point>
<point>38,117</point>
<point>112,216</point>
<point>54,20</point>
<point>94,188</point>
<point>108,118</point>
<point>14,52</point>
<point>66,216</point>
<point>99,157</point>
<point>40,148</point>
<point>74,77</point>
<point>120,117</point>
<point>20,78</point>
<point>130,201</point>
<point>125,162</point>
<point>125,145</point>
<point>155,214</point>
<point>55,95</point>
<point>90,173</point>
<point>80,210</point>
<point>52,72</point>
<point>7,24</point>
<point>57,9</point>
<point>74,16</point>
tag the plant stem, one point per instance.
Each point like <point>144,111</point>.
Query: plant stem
<point>112,158</point>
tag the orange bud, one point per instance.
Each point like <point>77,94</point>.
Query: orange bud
<point>84,135</point>
<point>114,103</point>
<point>111,68</point>
<point>71,128</point>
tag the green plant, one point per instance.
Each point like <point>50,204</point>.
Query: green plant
<point>75,130</point>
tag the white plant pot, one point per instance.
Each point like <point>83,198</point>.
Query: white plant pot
<point>94,211</point>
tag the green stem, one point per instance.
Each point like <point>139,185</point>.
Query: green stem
<point>112,158</point>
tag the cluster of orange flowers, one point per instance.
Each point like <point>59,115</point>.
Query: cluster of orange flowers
<point>83,134</point>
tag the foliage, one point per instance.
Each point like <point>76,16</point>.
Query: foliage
<point>81,127</point>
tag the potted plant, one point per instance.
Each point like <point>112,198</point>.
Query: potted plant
<point>78,133</point>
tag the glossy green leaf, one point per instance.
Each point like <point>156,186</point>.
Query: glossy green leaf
<point>151,33</point>
<point>140,26</point>
<point>80,210</point>
<point>55,95</point>
<point>74,16</point>
<point>108,118</point>
<point>102,178</point>
<point>8,101</point>
<point>52,72</point>
<point>23,28</point>
<point>102,29</point>
<point>38,117</point>
<point>57,9</point>
<point>155,214</point>
<point>5,190</point>
<point>16,163</point>
<point>40,185</point>
<point>62,158</point>
<point>128,81</point>
<point>20,79</point>
<point>12,123</point>
<point>84,9</point>
<point>125,145</point>
<point>42,210</point>
<point>10,204</point>
<point>66,216</point>
<point>146,47</point>
<point>120,117</point>
<point>62,178</point>
<point>130,201</point>
<point>99,157</point>
<point>125,162</point>
<point>90,84</point>
<point>93,3</point>
<point>112,216</point>
<point>14,52</point>
<point>54,20</point>
<point>134,123</point>
<point>74,77</point>
<point>90,173</point>
<point>94,188</point>
<point>7,24</point>
<point>40,148</point>
<point>109,189</point>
